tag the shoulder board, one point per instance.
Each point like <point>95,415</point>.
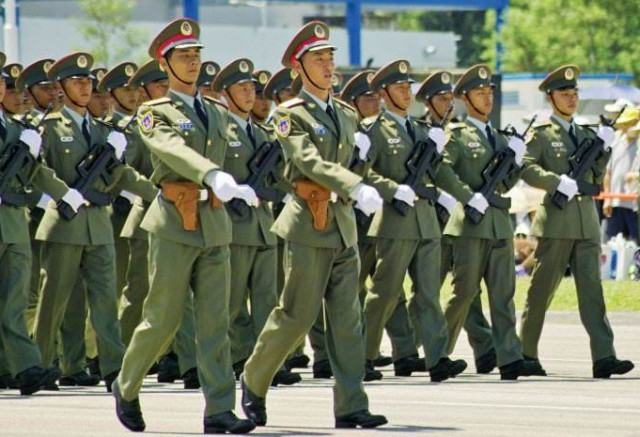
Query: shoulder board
<point>343,104</point>
<point>369,122</point>
<point>54,116</point>
<point>541,124</point>
<point>216,101</point>
<point>453,126</point>
<point>159,101</point>
<point>291,103</point>
<point>421,121</point>
<point>264,127</point>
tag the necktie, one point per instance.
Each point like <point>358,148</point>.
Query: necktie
<point>490,136</point>
<point>572,134</point>
<point>332,115</point>
<point>200,112</point>
<point>410,130</point>
<point>3,129</point>
<point>250,135</point>
<point>85,131</point>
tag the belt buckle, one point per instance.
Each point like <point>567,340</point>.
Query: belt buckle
<point>203,195</point>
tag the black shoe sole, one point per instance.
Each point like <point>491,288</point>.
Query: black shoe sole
<point>369,424</point>
<point>244,429</point>
<point>621,369</point>
<point>456,369</point>
<point>48,378</point>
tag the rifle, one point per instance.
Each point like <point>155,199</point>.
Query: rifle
<point>95,165</point>
<point>361,218</point>
<point>582,160</point>
<point>423,160</point>
<point>261,165</point>
<point>502,164</point>
<point>11,164</point>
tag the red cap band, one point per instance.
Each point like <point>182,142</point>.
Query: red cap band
<point>303,44</point>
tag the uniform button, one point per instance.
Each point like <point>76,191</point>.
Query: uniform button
<point>235,155</point>
<point>475,155</point>
<point>67,151</point>
<point>186,134</point>
<point>579,198</point>
<point>209,142</point>
<point>395,152</point>
<point>340,146</point>
<point>557,155</point>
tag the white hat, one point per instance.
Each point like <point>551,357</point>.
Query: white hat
<point>618,105</point>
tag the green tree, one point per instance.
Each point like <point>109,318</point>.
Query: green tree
<point>598,35</point>
<point>107,32</point>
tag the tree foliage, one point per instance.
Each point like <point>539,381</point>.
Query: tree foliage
<point>107,31</point>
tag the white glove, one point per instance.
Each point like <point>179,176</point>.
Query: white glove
<point>479,203</point>
<point>32,139</point>
<point>406,194</point>
<point>74,199</point>
<point>568,186</point>
<point>367,199</point>
<point>606,134</point>
<point>222,184</point>
<point>447,201</point>
<point>118,141</point>
<point>363,143</point>
<point>129,196</point>
<point>44,201</point>
<point>248,195</point>
<point>517,145</point>
<point>287,197</point>
<point>437,135</point>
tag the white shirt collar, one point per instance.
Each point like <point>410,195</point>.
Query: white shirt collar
<point>320,103</point>
<point>79,119</point>
<point>189,100</point>
<point>479,124</point>
<point>566,125</point>
<point>400,119</point>
<point>241,121</point>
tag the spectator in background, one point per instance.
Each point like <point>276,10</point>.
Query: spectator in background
<point>622,215</point>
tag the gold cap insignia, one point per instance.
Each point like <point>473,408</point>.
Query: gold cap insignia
<point>293,74</point>
<point>47,66</point>
<point>210,69</point>
<point>482,73</point>
<point>15,71</point>
<point>262,78</point>
<point>185,28</point>
<point>244,67</point>
<point>370,77</point>
<point>318,30</point>
<point>445,78</point>
<point>569,74</point>
<point>402,67</point>
<point>82,61</point>
<point>100,75</point>
<point>335,80</point>
<point>128,70</point>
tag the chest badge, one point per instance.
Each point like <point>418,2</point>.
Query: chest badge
<point>319,129</point>
<point>185,124</point>
<point>557,144</point>
<point>235,144</point>
<point>66,139</point>
<point>474,145</point>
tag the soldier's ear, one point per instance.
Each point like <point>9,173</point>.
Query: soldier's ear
<point>163,64</point>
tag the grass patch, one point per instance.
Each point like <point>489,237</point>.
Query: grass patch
<point>618,295</point>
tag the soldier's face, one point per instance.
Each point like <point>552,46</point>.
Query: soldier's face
<point>3,88</point>
<point>44,94</point>
<point>127,96</point>
<point>482,99</point>
<point>319,65</point>
<point>78,89</point>
<point>242,94</point>
<point>157,88</point>
<point>439,104</point>
<point>261,107</point>
<point>99,104</point>
<point>206,90</point>
<point>185,63</point>
<point>14,101</point>
<point>399,94</point>
<point>285,94</point>
<point>565,100</point>
<point>368,104</point>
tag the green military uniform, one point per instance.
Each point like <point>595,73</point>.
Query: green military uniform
<point>565,236</point>
<point>18,352</point>
<point>184,149</point>
<point>403,242</point>
<point>317,148</point>
<point>398,327</point>
<point>476,325</point>
<point>85,243</point>
<point>482,251</point>
<point>253,246</point>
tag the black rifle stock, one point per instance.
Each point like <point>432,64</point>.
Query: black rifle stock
<point>262,164</point>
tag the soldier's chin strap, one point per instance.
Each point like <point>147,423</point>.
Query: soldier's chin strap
<point>475,108</point>
<point>119,102</point>
<point>166,57</point>
<point>393,101</point>
<point>553,102</point>
<point>64,90</point>
<point>358,109</point>
<point>35,99</point>
<point>235,103</point>
<point>304,70</point>
<point>433,109</point>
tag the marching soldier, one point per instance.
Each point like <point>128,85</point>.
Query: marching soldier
<point>317,134</point>
<point>208,72</point>
<point>404,242</point>
<point>189,234</point>
<point>483,250</point>
<point>253,246</point>
<point>83,244</point>
<point>20,360</point>
<point>570,234</point>
<point>437,94</point>
<point>366,102</point>
<point>100,103</point>
<point>278,88</point>
<point>262,106</point>
<point>13,102</point>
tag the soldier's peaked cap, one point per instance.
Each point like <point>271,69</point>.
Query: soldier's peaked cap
<point>313,36</point>
<point>562,77</point>
<point>478,76</point>
<point>182,33</point>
